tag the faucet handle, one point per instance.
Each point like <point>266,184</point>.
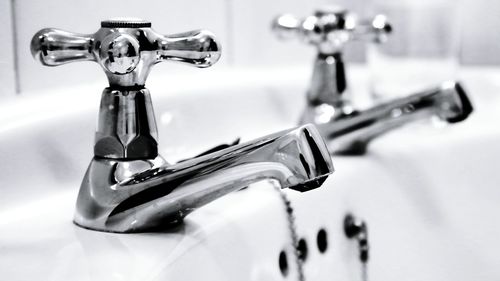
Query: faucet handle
<point>126,49</point>
<point>330,28</point>
<point>54,47</point>
<point>375,29</point>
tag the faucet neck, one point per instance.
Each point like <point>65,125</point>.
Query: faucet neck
<point>126,127</point>
<point>328,83</point>
<point>327,97</point>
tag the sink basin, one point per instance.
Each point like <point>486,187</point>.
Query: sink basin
<point>427,194</point>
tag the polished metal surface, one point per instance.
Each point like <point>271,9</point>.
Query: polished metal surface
<point>144,195</point>
<point>126,49</point>
<point>329,29</point>
<point>351,133</point>
<point>125,53</point>
<point>128,187</point>
<point>126,127</point>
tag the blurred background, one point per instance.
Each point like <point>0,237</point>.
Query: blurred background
<point>242,26</point>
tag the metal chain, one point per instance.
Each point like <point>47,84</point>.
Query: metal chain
<point>292,228</point>
<point>357,229</point>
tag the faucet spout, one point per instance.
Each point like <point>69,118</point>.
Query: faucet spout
<point>352,132</point>
<point>141,195</point>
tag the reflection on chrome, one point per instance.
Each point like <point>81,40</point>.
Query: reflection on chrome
<point>128,187</point>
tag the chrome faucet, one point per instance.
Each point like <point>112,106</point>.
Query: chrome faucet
<point>346,130</point>
<point>330,29</point>
<point>128,187</point>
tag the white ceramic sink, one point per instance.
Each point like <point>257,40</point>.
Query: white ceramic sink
<point>429,195</point>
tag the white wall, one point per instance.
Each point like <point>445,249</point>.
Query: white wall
<point>241,25</point>
<point>7,62</point>
<point>480,32</point>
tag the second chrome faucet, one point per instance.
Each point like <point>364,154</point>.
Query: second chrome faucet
<point>346,130</point>
<point>128,187</point>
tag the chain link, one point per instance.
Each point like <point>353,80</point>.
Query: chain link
<point>292,227</point>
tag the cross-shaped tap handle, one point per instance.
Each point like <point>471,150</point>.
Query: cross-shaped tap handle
<point>330,28</point>
<point>126,49</point>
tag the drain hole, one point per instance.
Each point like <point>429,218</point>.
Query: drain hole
<point>302,249</point>
<point>283,263</point>
<point>322,241</point>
